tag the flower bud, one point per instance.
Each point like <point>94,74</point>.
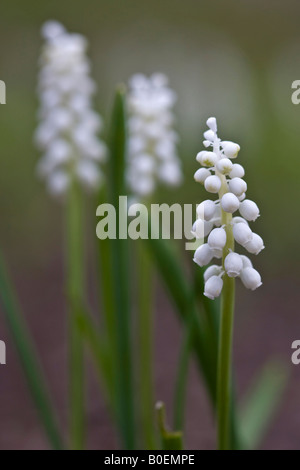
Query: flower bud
<point>207,227</point>
<point>201,175</point>
<point>213,270</point>
<point>212,123</point>
<point>231,149</point>
<point>224,166</point>
<point>250,278</point>
<point>255,245</point>
<point>212,184</point>
<point>206,143</point>
<point>230,203</point>
<point>242,233</point>
<point>206,210</point>
<point>198,229</point>
<point>207,158</point>
<point>237,186</point>
<point>199,155</point>
<point>213,287</point>
<point>217,238</point>
<point>237,171</point>
<point>238,220</point>
<point>249,210</point>
<point>209,135</point>
<point>201,228</point>
<point>217,219</point>
<point>203,255</point>
<point>233,264</point>
<point>246,262</point>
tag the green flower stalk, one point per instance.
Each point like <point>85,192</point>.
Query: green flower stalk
<point>221,176</point>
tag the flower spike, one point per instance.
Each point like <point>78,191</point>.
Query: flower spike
<point>220,175</point>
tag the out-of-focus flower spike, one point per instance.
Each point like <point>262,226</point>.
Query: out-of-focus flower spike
<point>151,133</point>
<point>67,133</point>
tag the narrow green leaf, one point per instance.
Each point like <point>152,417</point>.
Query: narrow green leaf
<point>106,292</point>
<point>29,359</point>
<point>121,265</point>
<point>170,440</point>
<point>261,403</point>
<point>144,361</point>
<point>75,290</point>
<point>90,333</point>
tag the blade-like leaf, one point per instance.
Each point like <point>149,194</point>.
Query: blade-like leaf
<point>29,359</point>
<point>261,403</point>
<point>121,276</point>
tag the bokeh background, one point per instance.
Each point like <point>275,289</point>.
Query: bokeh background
<point>232,59</point>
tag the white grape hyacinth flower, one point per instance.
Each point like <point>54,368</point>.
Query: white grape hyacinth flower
<point>219,175</point>
<point>68,130</point>
<point>152,143</point>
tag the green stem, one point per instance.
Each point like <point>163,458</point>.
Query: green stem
<point>75,289</point>
<point>145,326</point>
<point>224,373</point>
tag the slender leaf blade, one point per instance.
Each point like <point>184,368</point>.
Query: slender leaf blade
<point>29,359</point>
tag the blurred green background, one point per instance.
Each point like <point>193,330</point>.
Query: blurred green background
<point>235,60</point>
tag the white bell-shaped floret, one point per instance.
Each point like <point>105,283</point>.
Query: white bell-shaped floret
<point>217,238</point>
<point>230,203</point>
<point>213,270</point>
<point>239,220</point>
<point>212,124</point>
<point>217,219</point>
<point>201,228</point>
<point>237,186</point>
<point>201,175</point>
<point>233,264</point>
<point>237,171</point>
<point>255,245</point>
<point>242,233</point>
<point>217,253</point>
<point>212,184</point>
<point>206,210</point>
<point>242,197</point>
<point>203,255</point>
<point>250,278</point>
<point>246,262</point>
<point>213,287</point>
<point>230,149</point>
<point>224,166</point>
<point>207,227</point>
<point>198,229</point>
<point>249,210</point>
<point>209,135</point>
<point>206,158</point>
